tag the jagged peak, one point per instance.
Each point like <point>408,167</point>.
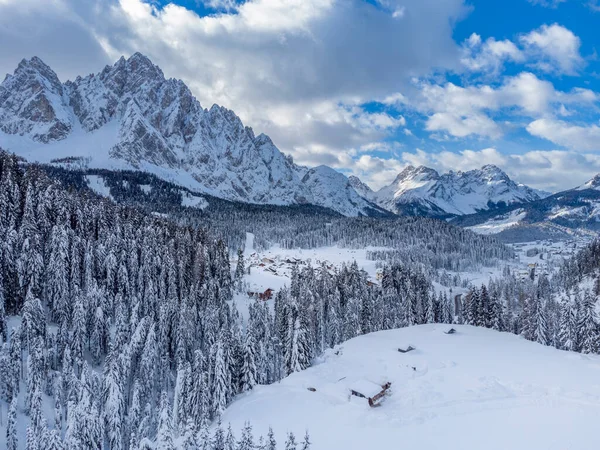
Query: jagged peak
<point>263,139</point>
<point>412,171</point>
<point>35,65</point>
<point>358,184</point>
<point>593,183</point>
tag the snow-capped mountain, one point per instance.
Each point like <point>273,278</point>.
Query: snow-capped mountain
<point>362,189</point>
<point>335,191</point>
<point>559,215</point>
<point>423,191</point>
<point>594,184</point>
<point>129,116</point>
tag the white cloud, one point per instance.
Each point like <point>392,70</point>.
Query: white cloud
<point>550,48</point>
<point>489,56</point>
<point>553,170</point>
<point>575,137</point>
<point>547,3</point>
<point>464,111</point>
<point>555,49</point>
<point>462,126</point>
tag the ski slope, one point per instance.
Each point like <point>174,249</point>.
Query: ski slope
<point>473,390</point>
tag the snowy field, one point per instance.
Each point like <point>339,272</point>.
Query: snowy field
<point>498,224</point>
<point>476,389</point>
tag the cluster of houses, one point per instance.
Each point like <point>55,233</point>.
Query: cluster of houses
<point>281,266</point>
<point>539,257</point>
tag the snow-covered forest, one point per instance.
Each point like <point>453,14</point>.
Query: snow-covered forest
<point>119,329</point>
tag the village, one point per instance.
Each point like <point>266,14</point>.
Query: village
<point>270,270</point>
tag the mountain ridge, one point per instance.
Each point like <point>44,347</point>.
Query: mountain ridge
<point>129,116</point>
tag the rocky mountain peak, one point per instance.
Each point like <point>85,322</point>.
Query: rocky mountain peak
<point>32,103</point>
<point>594,183</point>
<point>421,172</point>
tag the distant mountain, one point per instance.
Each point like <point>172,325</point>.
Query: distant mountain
<point>423,191</point>
<point>129,116</point>
<point>559,215</point>
<point>339,193</point>
<point>362,189</point>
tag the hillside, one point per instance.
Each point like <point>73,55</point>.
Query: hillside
<point>475,389</point>
<point>557,216</point>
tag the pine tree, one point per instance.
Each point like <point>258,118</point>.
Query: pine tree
<point>11,426</point>
<point>568,326</point>
<point>164,435</point>
<point>271,442</point>
<point>240,270</point>
<point>249,370</point>
<point>222,379</point>
<point>229,439</point>
<point>306,442</point>
<point>290,443</point>
<point>246,441</point>
<point>189,436</point>
<point>114,401</point>
<point>3,324</point>
<point>588,326</point>
<point>540,322</point>
<point>218,441</point>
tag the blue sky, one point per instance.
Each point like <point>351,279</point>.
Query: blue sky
<point>365,86</point>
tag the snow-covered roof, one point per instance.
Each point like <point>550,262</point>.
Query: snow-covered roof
<point>366,388</point>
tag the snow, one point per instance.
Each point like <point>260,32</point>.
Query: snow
<point>454,192</point>
<point>98,185</point>
<point>193,201</point>
<point>146,188</point>
<point>475,389</point>
<point>92,148</point>
<point>260,278</point>
<point>333,190</point>
<point>499,223</point>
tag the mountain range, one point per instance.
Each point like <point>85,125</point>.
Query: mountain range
<point>129,116</point>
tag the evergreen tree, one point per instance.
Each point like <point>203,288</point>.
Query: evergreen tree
<point>567,335</point>
<point>249,370</point>
<point>164,435</point>
<point>588,326</point>
<point>246,441</point>
<point>306,442</point>
<point>271,442</point>
<point>290,443</point>
<point>11,426</point>
<point>240,270</point>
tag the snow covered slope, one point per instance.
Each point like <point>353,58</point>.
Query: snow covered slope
<point>129,116</point>
<point>423,191</point>
<point>559,215</point>
<point>476,389</point>
<point>336,192</point>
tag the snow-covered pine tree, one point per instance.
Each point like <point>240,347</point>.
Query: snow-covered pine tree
<point>249,370</point>
<point>588,326</point>
<point>240,270</point>
<point>567,334</point>
<point>12,439</point>
<point>164,434</point>
<point>290,443</point>
<point>246,441</point>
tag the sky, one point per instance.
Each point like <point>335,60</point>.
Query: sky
<point>364,86</point>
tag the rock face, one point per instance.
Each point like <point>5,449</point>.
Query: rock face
<point>130,116</point>
<point>160,128</point>
<point>423,191</point>
<point>33,103</point>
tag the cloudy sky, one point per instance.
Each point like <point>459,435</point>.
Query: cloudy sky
<point>365,86</point>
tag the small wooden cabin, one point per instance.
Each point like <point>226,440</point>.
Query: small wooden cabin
<point>373,392</point>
